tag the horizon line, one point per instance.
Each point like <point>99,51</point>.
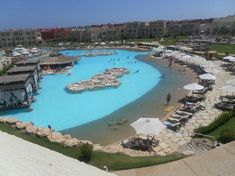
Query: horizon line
<point>106,23</point>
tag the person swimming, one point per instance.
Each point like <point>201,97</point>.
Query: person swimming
<point>137,71</point>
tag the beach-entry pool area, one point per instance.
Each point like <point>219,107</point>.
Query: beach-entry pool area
<point>62,110</point>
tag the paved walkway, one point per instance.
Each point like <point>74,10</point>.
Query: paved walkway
<point>22,158</point>
<point>217,162</point>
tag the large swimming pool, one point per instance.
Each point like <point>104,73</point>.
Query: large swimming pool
<point>62,110</point>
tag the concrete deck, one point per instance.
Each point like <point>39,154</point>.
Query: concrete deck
<point>22,158</point>
<point>217,162</point>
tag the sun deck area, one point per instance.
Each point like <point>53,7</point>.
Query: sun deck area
<point>13,79</point>
<point>21,70</point>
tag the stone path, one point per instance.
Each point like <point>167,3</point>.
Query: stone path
<point>217,162</point>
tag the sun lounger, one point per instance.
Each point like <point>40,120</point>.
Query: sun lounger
<point>224,106</point>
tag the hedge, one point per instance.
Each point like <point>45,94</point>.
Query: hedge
<point>223,118</point>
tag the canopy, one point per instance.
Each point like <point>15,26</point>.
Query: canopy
<point>229,58</point>
<point>207,76</point>
<point>148,126</point>
<point>16,54</point>
<point>232,59</point>
<point>193,86</point>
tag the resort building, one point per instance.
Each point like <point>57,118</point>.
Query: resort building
<point>55,34</point>
<point>79,35</point>
<point>12,38</point>
<point>15,91</point>
<point>106,32</point>
<point>58,62</point>
<point>31,70</point>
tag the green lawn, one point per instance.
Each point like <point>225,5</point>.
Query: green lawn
<point>5,69</point>
<point>223,48</point>
<point>223,128</point>
<point>171,40</point>
<point>99,159</point>
<point>227,125</point>
<point>142,40</point>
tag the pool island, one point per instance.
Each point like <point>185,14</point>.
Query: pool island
<point>102,80</point>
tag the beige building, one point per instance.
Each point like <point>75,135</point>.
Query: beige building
<point>12,38</point>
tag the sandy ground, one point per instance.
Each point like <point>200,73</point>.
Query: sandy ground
<point>22,158</point>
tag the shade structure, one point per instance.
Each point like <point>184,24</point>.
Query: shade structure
<point>148,126</point>
<point>193,86</point>
<point>230,82</point>
<point>232,59</point>
<point>229,58</point>
<point>16,54</point>
<point>207,76</point>
<point>228,89</point>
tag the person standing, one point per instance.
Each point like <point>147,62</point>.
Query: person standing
<point>168,98</point>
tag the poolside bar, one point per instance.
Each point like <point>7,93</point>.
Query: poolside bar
<point>29,63</point>
<point>15,91</point>
<point>31,70</point>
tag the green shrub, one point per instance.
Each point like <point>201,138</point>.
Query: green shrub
<point>86,151</point>
<point>5,69</point>
<point>227,135</point>
<point>226,116</point>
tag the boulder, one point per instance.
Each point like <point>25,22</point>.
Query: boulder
<point>97,147</point>
<point>161,153</point>
<point>11,121</point>
<point>43,132</point>
<point>67,136</point>
<point>2,120</point>
<point>188,153</point>
<point>71,142</point>
<point>22,125</point>
<point>56,137</point>
<point>31,129</point>
<point>86,142</point>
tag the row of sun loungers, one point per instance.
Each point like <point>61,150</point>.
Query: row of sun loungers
<point>190,106</point>
<point>227,103</point>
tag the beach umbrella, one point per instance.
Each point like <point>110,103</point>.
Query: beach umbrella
<point>207,76</point>
<point>231,82</point>
<point>232,59</point>
<point>228,89</point>
<point>193,86</point>
<point>16,54</point>
<point>148,126</point>
<point>229,58</point>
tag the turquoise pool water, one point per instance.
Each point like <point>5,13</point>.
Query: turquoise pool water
<point>63,110</point>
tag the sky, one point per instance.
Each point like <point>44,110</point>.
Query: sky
<point>67,13</point>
